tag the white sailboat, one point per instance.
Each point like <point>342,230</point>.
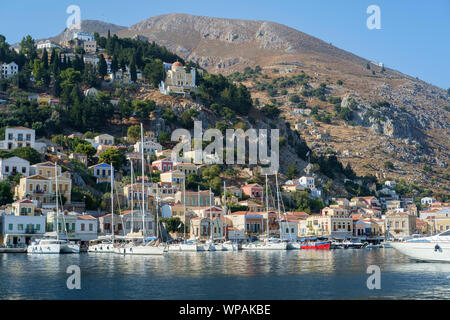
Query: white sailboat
<point>228,245</point>
<point>434,248</point>
<point>52,244</point>
<point>105,244</point>
<point>268,244</point>
<point>140,246</point>
<point>184,246</point>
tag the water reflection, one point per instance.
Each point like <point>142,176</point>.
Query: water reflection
<point>337,274</point>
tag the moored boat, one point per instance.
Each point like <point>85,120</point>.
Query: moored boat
<point>316,246</point>
<point>433,248</point>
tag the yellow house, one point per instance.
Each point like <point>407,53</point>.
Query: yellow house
<point>23,208</point>
<point>176,178</point>
<point>42,187</point>
<point>186,168</point>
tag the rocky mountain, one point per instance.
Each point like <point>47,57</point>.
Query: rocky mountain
<point>395,118</point>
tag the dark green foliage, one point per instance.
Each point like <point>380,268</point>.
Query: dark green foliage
<point>6,195</point>
<point>218,89</point>
<point>270,111</point>
<point>173,224</point>
<point>27,153</point>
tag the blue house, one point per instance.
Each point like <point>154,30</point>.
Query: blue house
<point>102,172</point>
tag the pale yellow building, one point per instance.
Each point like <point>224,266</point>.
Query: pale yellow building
<point>178,80</point>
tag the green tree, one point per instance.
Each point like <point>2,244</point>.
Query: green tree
<point>291,171</point>
<point>102,66</point>
<point>114,156</point>
<point>6,195</point>
<point>133,72</point>
<point>27,153</point>
<point>154,72</point>
<point>134,133</point>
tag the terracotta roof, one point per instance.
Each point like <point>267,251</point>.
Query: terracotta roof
<point>86,218</point>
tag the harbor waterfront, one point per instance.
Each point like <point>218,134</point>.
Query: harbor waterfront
<point>277,275</point>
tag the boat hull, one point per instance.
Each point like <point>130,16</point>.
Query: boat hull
<point>54,248</point>
<point>317,246</point>
<point>293,246</point>
<point>424,251</point>
<point>44,249</point>
<point>141,250</point>
<point>231,246</point>
<point>265,246</point>
<point>101,248</point>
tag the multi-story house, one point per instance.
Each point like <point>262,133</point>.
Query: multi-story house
<point>186,168</point>
<point>104,139</point>
<point>201,228</point>
<point>162,165</point>
<point>254,191</point>
<point>86,227</point>
<point>22,226</point>
<point>333,221</point>
<point>249,222</point>
<point>8,70</point>
<point>41,184</point>
<point>12,166</point>
<point>176,178</point>
<point>123,223</point>
<point>150,147</point>
<point>400,224</point>
<point>18,137</point>
<point>195,199</point>
<point>307,182</point>
<point>102,172</point>
<point>90,46</point>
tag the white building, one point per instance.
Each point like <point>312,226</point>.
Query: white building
<point>47,44</point>
<point>104,139</point>
<point>20,230</point>
<point>307,182</point>
<point>86,227</point>
<point>427,201</point>
<point>150,147</point>
<point>19,137</point>
<point>289,230</point>
<point>390,184</point>
<point>9,70</point>
<point>13,166</point>
<point>83,36</point>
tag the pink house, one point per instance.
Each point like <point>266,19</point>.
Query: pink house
<point>162,165</point>
<point>253,191</point>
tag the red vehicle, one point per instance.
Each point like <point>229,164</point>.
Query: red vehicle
<point>316,246</point>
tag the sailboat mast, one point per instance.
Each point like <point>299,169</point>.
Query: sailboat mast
<point>184,206</point>
<point>267,209</point>
<point>210,214</point>
<point>132,198</point>
<point>157,214</point>
<point>57,208</point>
<point>112,200</point>
<point>278,202</point>
<point>143,169</point>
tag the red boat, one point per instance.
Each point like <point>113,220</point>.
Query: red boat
<point>317,246</point>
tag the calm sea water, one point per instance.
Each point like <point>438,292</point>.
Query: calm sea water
<point>336,274</point>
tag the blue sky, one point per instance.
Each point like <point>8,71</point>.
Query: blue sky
<point>414,36</point>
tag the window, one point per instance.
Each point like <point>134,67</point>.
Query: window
<point>20,227</point>
<point>38,227</point>
<point>10,226</point>
<point>24,170</point>
<point>91,227</point>
<point>82,227</point>
<point>7,169</point>
<point>28,137</point>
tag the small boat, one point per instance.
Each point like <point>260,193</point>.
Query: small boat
<point>52,246</point>
<point>267,245</point>
<point>101,245</point>
<point>133,248</point>
<point>231,246</point>
<point>316,246</point>
<point>293,245</point>
<point>433,248</point>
